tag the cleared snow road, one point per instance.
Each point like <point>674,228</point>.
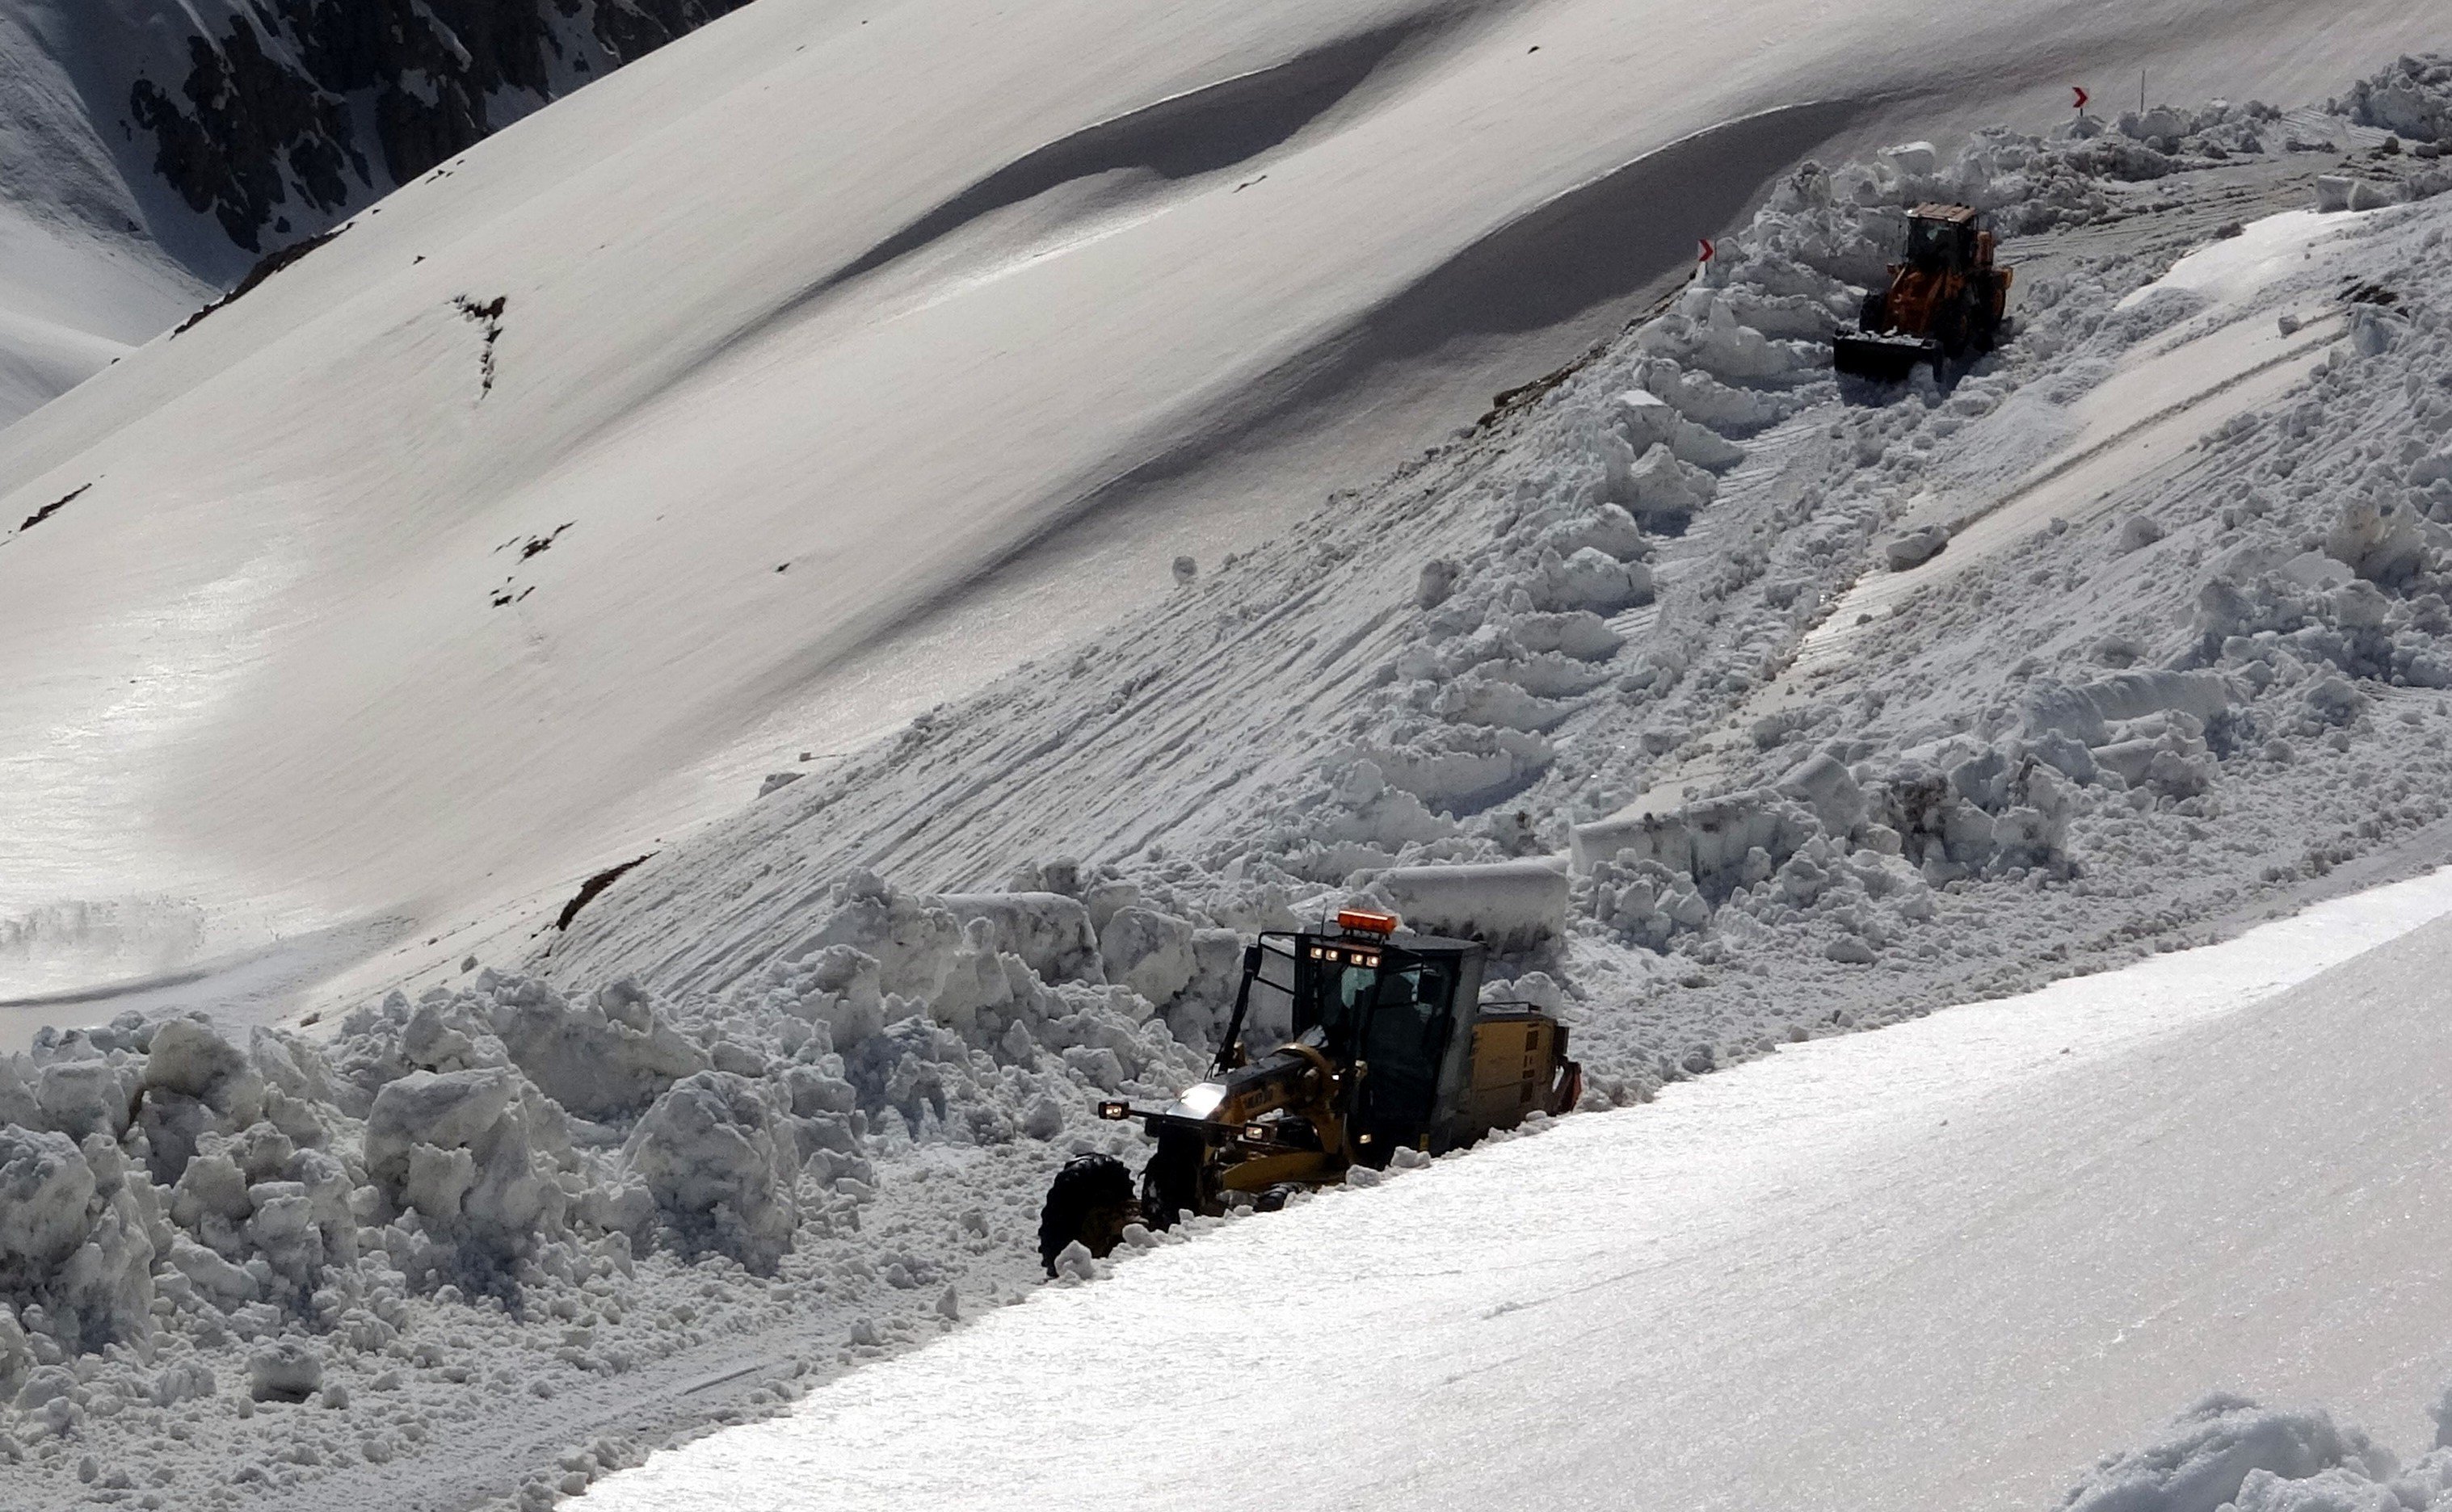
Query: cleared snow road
<point>1945,1265</point>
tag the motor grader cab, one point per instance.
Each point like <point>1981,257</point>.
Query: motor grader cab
<point>1390,1047</point>
<point>1945,302</point>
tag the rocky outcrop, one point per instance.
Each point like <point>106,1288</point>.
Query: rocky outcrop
<point>264,131</point>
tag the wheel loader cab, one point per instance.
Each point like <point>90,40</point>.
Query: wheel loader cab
<point>1944,302</point>
<point>1939,244</point>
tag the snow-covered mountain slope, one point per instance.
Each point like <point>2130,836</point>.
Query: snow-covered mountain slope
<point>155,150</point>
<point>371,597</point>
<point>760,1115</point>
<point>1947,1265</point>
<point>82,280</point>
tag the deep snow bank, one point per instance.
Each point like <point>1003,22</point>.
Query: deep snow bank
<point>192,1223</point>
<point>1942,1266</point>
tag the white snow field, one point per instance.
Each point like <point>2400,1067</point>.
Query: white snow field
<point>827,363</point>
<point>1944,1265</point>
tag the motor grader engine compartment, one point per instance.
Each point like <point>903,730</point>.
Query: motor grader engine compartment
<point>1385,1044</point>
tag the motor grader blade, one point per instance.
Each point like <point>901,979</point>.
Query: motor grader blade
<point>1883,359</point>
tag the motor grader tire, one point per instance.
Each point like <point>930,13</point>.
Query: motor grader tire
<point>1090,1201</point>
<point>1273,1199</point>
<point>1170,1181</point>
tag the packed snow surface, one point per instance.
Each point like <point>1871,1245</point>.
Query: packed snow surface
<point>1946,1265</point>
<point>827,363</point>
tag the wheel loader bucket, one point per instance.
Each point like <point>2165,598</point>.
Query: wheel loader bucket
<point>1883,359</point>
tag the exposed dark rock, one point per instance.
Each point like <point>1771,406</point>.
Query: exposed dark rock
<point>261,133</point>
<point>265,266</point>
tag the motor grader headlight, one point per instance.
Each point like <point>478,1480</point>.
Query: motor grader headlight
<point>1203,1100</point>
<point>1255,1134</point>
<point>1115,1112</point>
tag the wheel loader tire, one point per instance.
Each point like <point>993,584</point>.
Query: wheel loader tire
<point>1090,1201</point>
<point>1170,1181</point>
<point>1950,327</point>
<point>1987,322</point>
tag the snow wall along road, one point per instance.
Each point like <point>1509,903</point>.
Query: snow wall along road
<point>821,364</point>
<point>1942,1266</point>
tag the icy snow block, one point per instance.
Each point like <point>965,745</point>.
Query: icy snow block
<point>2135,694</point>
<point>1724,347</point>
<point>16,1355</point>
<point>2366,194</point>
<point>17,1105</point>
<point>1510,906</point>
<point>189,1058</point>
<point>2379,545</point>
<point>1048,931</point>
<point>82,1097</point>
<point>1915,548</point>
<point>1657,485</point>
<point>608,1059</point>
<point>2131,759</point>
<point>44,1185</point>
<point>1913,159</point>
<point>1709,841</point>
<point>1149,952</point>
<point>284,1371</point>
<point>2215,1447</point>
<point>1825,786</point>
<point>2313,569</point>
<point>1589,581</point>
<point>1707,401</point>
<point>2332,193</point>
<point>1460,767</point>
<point>722,1166</point>
<point>459,1147</point>
<point>1649,420</point>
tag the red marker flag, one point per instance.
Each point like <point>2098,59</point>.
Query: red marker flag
<point>2081,95</point>
<point>1708,250</point>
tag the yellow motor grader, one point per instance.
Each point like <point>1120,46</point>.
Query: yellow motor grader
<point>1944,303</point>
<point>1392,1048</point>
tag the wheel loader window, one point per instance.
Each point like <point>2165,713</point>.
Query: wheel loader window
<point>1928,242</point>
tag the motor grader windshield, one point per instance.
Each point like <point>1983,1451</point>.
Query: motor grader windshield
<point>1389,1010</point>
<point>1342,991</point>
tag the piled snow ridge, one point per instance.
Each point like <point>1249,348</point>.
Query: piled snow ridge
<point>297,1215</point>
<point>2412,99</point>
<point>2229,1454</point>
